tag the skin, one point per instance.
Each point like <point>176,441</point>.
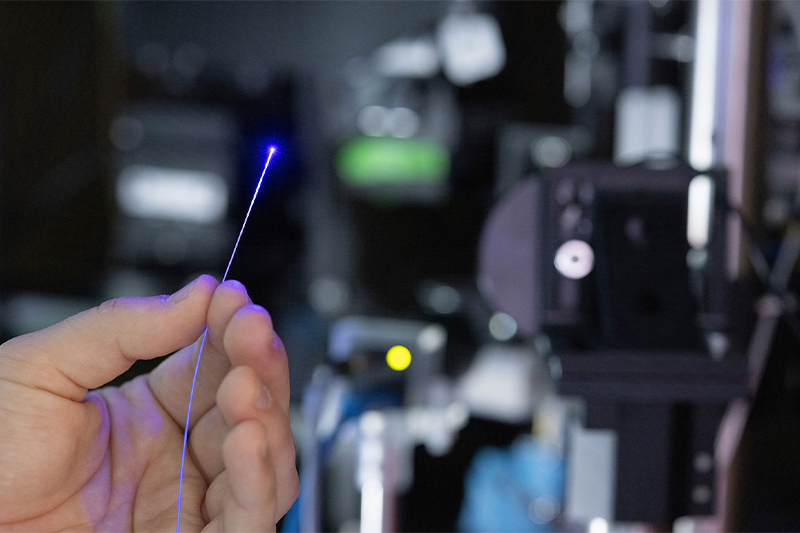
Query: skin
<point>109,459</point>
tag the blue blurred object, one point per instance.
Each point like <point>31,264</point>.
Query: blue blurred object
<point>513,490</point>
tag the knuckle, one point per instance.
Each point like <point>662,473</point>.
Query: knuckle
<point>109,306</point>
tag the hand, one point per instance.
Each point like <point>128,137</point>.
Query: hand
<point>109,460</point>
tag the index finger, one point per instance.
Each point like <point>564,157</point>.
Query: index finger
<point>249,340</point>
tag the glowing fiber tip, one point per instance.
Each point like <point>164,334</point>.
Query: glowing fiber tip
<point>203,342</point>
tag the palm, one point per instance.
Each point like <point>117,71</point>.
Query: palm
<point>109,461</point>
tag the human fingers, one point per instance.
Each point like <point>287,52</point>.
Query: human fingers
<point>249,494</point>
<point>205,443</point>
<point>242,397</point>
<point>249,340</point>
<point>95,346</point>
<point>171,381</point>
<point>214,502</point>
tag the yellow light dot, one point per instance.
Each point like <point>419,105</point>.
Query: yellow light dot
<point>398,358</point>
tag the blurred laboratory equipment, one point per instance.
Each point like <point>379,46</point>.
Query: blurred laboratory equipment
<point>625,291</point>
<point>503,243</point>
<point>176,169</point>
<point>383,393</point>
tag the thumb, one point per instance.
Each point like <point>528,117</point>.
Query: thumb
<point>93,347</point>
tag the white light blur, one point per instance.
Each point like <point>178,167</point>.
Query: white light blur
<point>372,506</point>
<point>373,423</point>
<point>574,259</point>
<point>444,299</point>
<point>408,58</point>
<point>702,494</point>
<point>577,79</point>
<point>544,509</point>
<point>373,121</point>
<point>456,415</point>
<point>472,47</point>
<point>698,224</point>
<point>703,462</point>
<point>575,16</point>
<point>403,122</point>
<point>502,326</point>
<point>552,151</point>
<point>172,194</point>
<point>697,258</point>
<point>648,124</point>
<point>701,147</point>
<point>597,525</point>
<point>682,48</point>
<point>371,455</point>
<point>432,338</point>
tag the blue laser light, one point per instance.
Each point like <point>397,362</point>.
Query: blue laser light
<point>205,334</point>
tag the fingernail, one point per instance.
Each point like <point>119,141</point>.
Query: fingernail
<point>239,286</point>
<point>182,294</point>
<point>263,399</point>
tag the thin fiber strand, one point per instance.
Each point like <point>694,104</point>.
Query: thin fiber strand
<point>203,342</point>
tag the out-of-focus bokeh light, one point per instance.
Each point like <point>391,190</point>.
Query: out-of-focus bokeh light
<point>181,195</point>
<point>398,358</point>
<point>502,326</point>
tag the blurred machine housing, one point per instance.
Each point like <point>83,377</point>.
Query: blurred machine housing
<point>176,176</point>
<point>643,285</point>
<point>653,357</point>
<point>629,298</point>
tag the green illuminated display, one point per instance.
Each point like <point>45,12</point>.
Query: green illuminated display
<point>371,162</point>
